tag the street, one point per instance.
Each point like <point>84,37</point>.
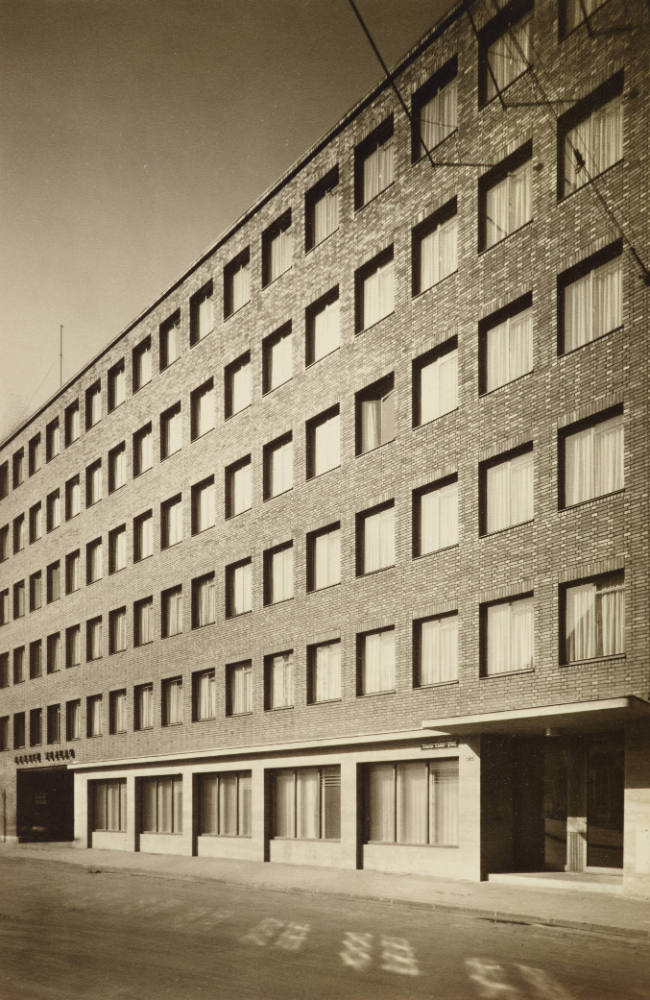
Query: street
<point>69,932</point>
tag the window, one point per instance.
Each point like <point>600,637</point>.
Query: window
<point>434,110</point>
<point>412,802</point>
<point>35,522</point>
<point>19,597</point>
<point>94,715</point>
<point>53,652</point>
<point>4,607</point>
<point>225,804</point>
<point>435,383</point>
<point>323,327</point>
<point>143,536</point>
<point>277,358</point>
<point>593,617</point>
<point>202,410</point>
<point>435,516</point>
<point>170,340</point>
<point>236,283</point>
<point>238,392</point>
<point>591,458</point>
<point>376,538</point>
<point>94,639</point>
<point>238,487</point>
<point>4,532</point>
<point>117,549</point>
<point>435,652</point>
<point>505,197</point>
<point>278,573</point>
<point>73,646</point>
<point>35,659</point>
<point>171,431</point>
<point>279,680</point>
<point>53,507</point>
<point>19,730</point>
<point>239,688</point>
<point>94,483</point>
<point>117,630</point>
<point>4,732</point>
<point>239,588</point>
<point>93,405</point>
<point>94,561</point>
<point>507,635</point>
<point>171,521</point>
<point>143,702</point>
<point>19,664</point>
<point>108,804</point>
<point>204,692</point>
<point>204,600</point>
<point>376,661</point>
<point>203,505</point>
<point>35,457</point>
<point>375,415</point>
<point>590,136</point>
<point>306,803</point>
<point>72,497</point>
<point>4,480</point>
<point>53,724</point>
<point>323,442</point>
<point>143,621</point>
<point>72,423</point>
<point>507,491</point>
<point>161,805</point>
<point>73,720</point>
<point>35,591</point>
<point>172,611</point>
<point>324,683</point>
<point>575,12</point>
<point>324,557</point>
<point>52,440</point>
<point>117,721</point>
<point>434,248</point>
<point>53,581</point>
<point>143,449</point>
<point>506,344</point>
<point>116,385</point>
<point>72,571</point>
<point>18,462</point>
<point>322,209</point>
<point>172,701</point>
<point>505,48</point>
<point>278,466</point>
<point>19,533</point>
<point>374,167</point>
<point>277,249</point>
<point>35,727</point>
<point>374,290</point>
<point>4,670</point>
<point>590,299</point>
<point>201,314</point>
<point>117,467</point>
<point>142,364</point>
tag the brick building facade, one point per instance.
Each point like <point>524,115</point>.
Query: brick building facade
<point>339,554</point>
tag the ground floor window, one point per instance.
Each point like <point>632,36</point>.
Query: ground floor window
<point>412,802</point>
<point>306,803</point>
<point>109,805</point>
<point>225,804</point>
<point>161,805</point>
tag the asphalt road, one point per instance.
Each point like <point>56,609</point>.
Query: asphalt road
<point>68,932</point>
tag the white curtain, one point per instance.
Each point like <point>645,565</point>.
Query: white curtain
<point>593,305</point>
<point>411,802</point>
<point>377,170</point>
<point>573,12</point>
<point>208,792</point>
<point>54,653</point>
<point>175,612</point>
<point>327,445</point>
<point>280,253</point>
<point>326,330</point>
<point>204,415</point>
<point>240,286</point>
<point>74,720</point>
<point>379,540</point>
<point>74,570</point>
<point>509,55</point>
<point>443,802</point>
<point>244,793</point>
<point>593,461</point>
<point>96,716</point>
<point>281,685</point>
<point>120,630</point>
<point>240,488</point>
<point>370,424</point>
<point>228,805</point>
<point>308,803</point>
<point>327,672</point>
<point>326,215</point>
<point>438,387</point>
<point>171,344</point>
<point>241,692</point>
<point>438,254</point>
<point>207,696</point>
<point>73,638</point>
<point>94,401</point>
<point>438,526</point>
<point>144,365</point>
<point>281,469</point>
<point>174,433</point>
<point>96,483</point>
<point>378,667</point>
<point>96,562</point>
<point>378,294</point>
<point>207,512</point>
<point>241,387</point>
<point>175,522</point>
<point>145,713</point>
<point>509,350</point>
<point>146,537</point>
<point>75,498</point>
<point>595,619</point>
<point>242,589</point>
<point>282,574</point>
<point>120,468</point>
<point>381,803</point>
<point>204,317</point>
<point>508,204</point>
<point>510,492</point>
<point>120,713</point>
<point>146,622</point>
<point>327,559</point>
<point>284,810</point>
<point>146,451</point>
<point>280,361</point>
<point>206,601</point>
<point>439,116</point>
<point>599,142</point>
<point>74,426</point>
<point>438,653</point>
<point>510,636</point>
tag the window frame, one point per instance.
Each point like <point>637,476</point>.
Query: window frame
<point>380,391</point>
<point>322,189</point>
<point>197,300</point>
<point>503,459</point>
<point>427,227</point>
<point>519,161</point>
<point>371,267</point>
<point>382,135</point>
<point>241,262</point>
<point>442,78</point>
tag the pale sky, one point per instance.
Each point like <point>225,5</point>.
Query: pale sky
<point>135,131</point>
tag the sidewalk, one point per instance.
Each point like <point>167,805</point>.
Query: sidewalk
<point>610,913</point>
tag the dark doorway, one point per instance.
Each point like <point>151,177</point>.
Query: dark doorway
<point>45,804</point>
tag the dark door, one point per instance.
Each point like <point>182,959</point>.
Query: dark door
<point>46,805</point>
<point>605,784</point>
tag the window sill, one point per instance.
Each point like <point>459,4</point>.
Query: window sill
<point>275,604</point>
<point>202,625</point>
<point>280,708</point>
<point>370,201</point>
<point>394,843</point>
<point>486,101</point>
<point>427,423</point>
<point>142,558</point>
<point>373,572</point>
<point>436,284</point>
<point>310,364</point>
<point>143,729</point>
<point>594,340</point>
<point>164,458</point>
<point>141,472</point>
<point>242,409</point>
<point>238,715</point>
<point>139,388</point>
<point>201,531</point>
<point>231,517</point>
<point>315,246</point>
<point>320,590</point>
<point>434,552</point>
<point>508,527</point>
<point>233,616</point>
<point>319,475</point>
<point>588,500</point>
<point>425,156</point>
<point>513,232</point>
<point>512,381</point>
<point>206,718</point>
<point>324,701</point>
<point>308,840</point>
<point>375,447</point>
<point>376,694</point>
<point>272,281</point>
<point>170,545</point>
<point>373,325</point>
<point>164,368</point>
<point>276,495</point>
<point>199,340</point>
<point>607,658</point>
<point>436,684</point>
<point>234,312</point>
<point>171,725</point>
<point>561,198</point>
<point>507,673</point>
<point>274,388</point>
<point>197,437</point>
<point>227,836</point>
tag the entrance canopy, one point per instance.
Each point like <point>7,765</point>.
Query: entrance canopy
<point>582,715</point>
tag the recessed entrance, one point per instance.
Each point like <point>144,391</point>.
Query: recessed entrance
<point>45,804</point>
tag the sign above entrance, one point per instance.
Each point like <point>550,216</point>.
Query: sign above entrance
<point>439,744</point>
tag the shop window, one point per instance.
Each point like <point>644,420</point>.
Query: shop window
<point>108,805</point>
<point>412,802</point>
<point>306,803</point>
<point>161,805</point>
<point>225,804</point>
